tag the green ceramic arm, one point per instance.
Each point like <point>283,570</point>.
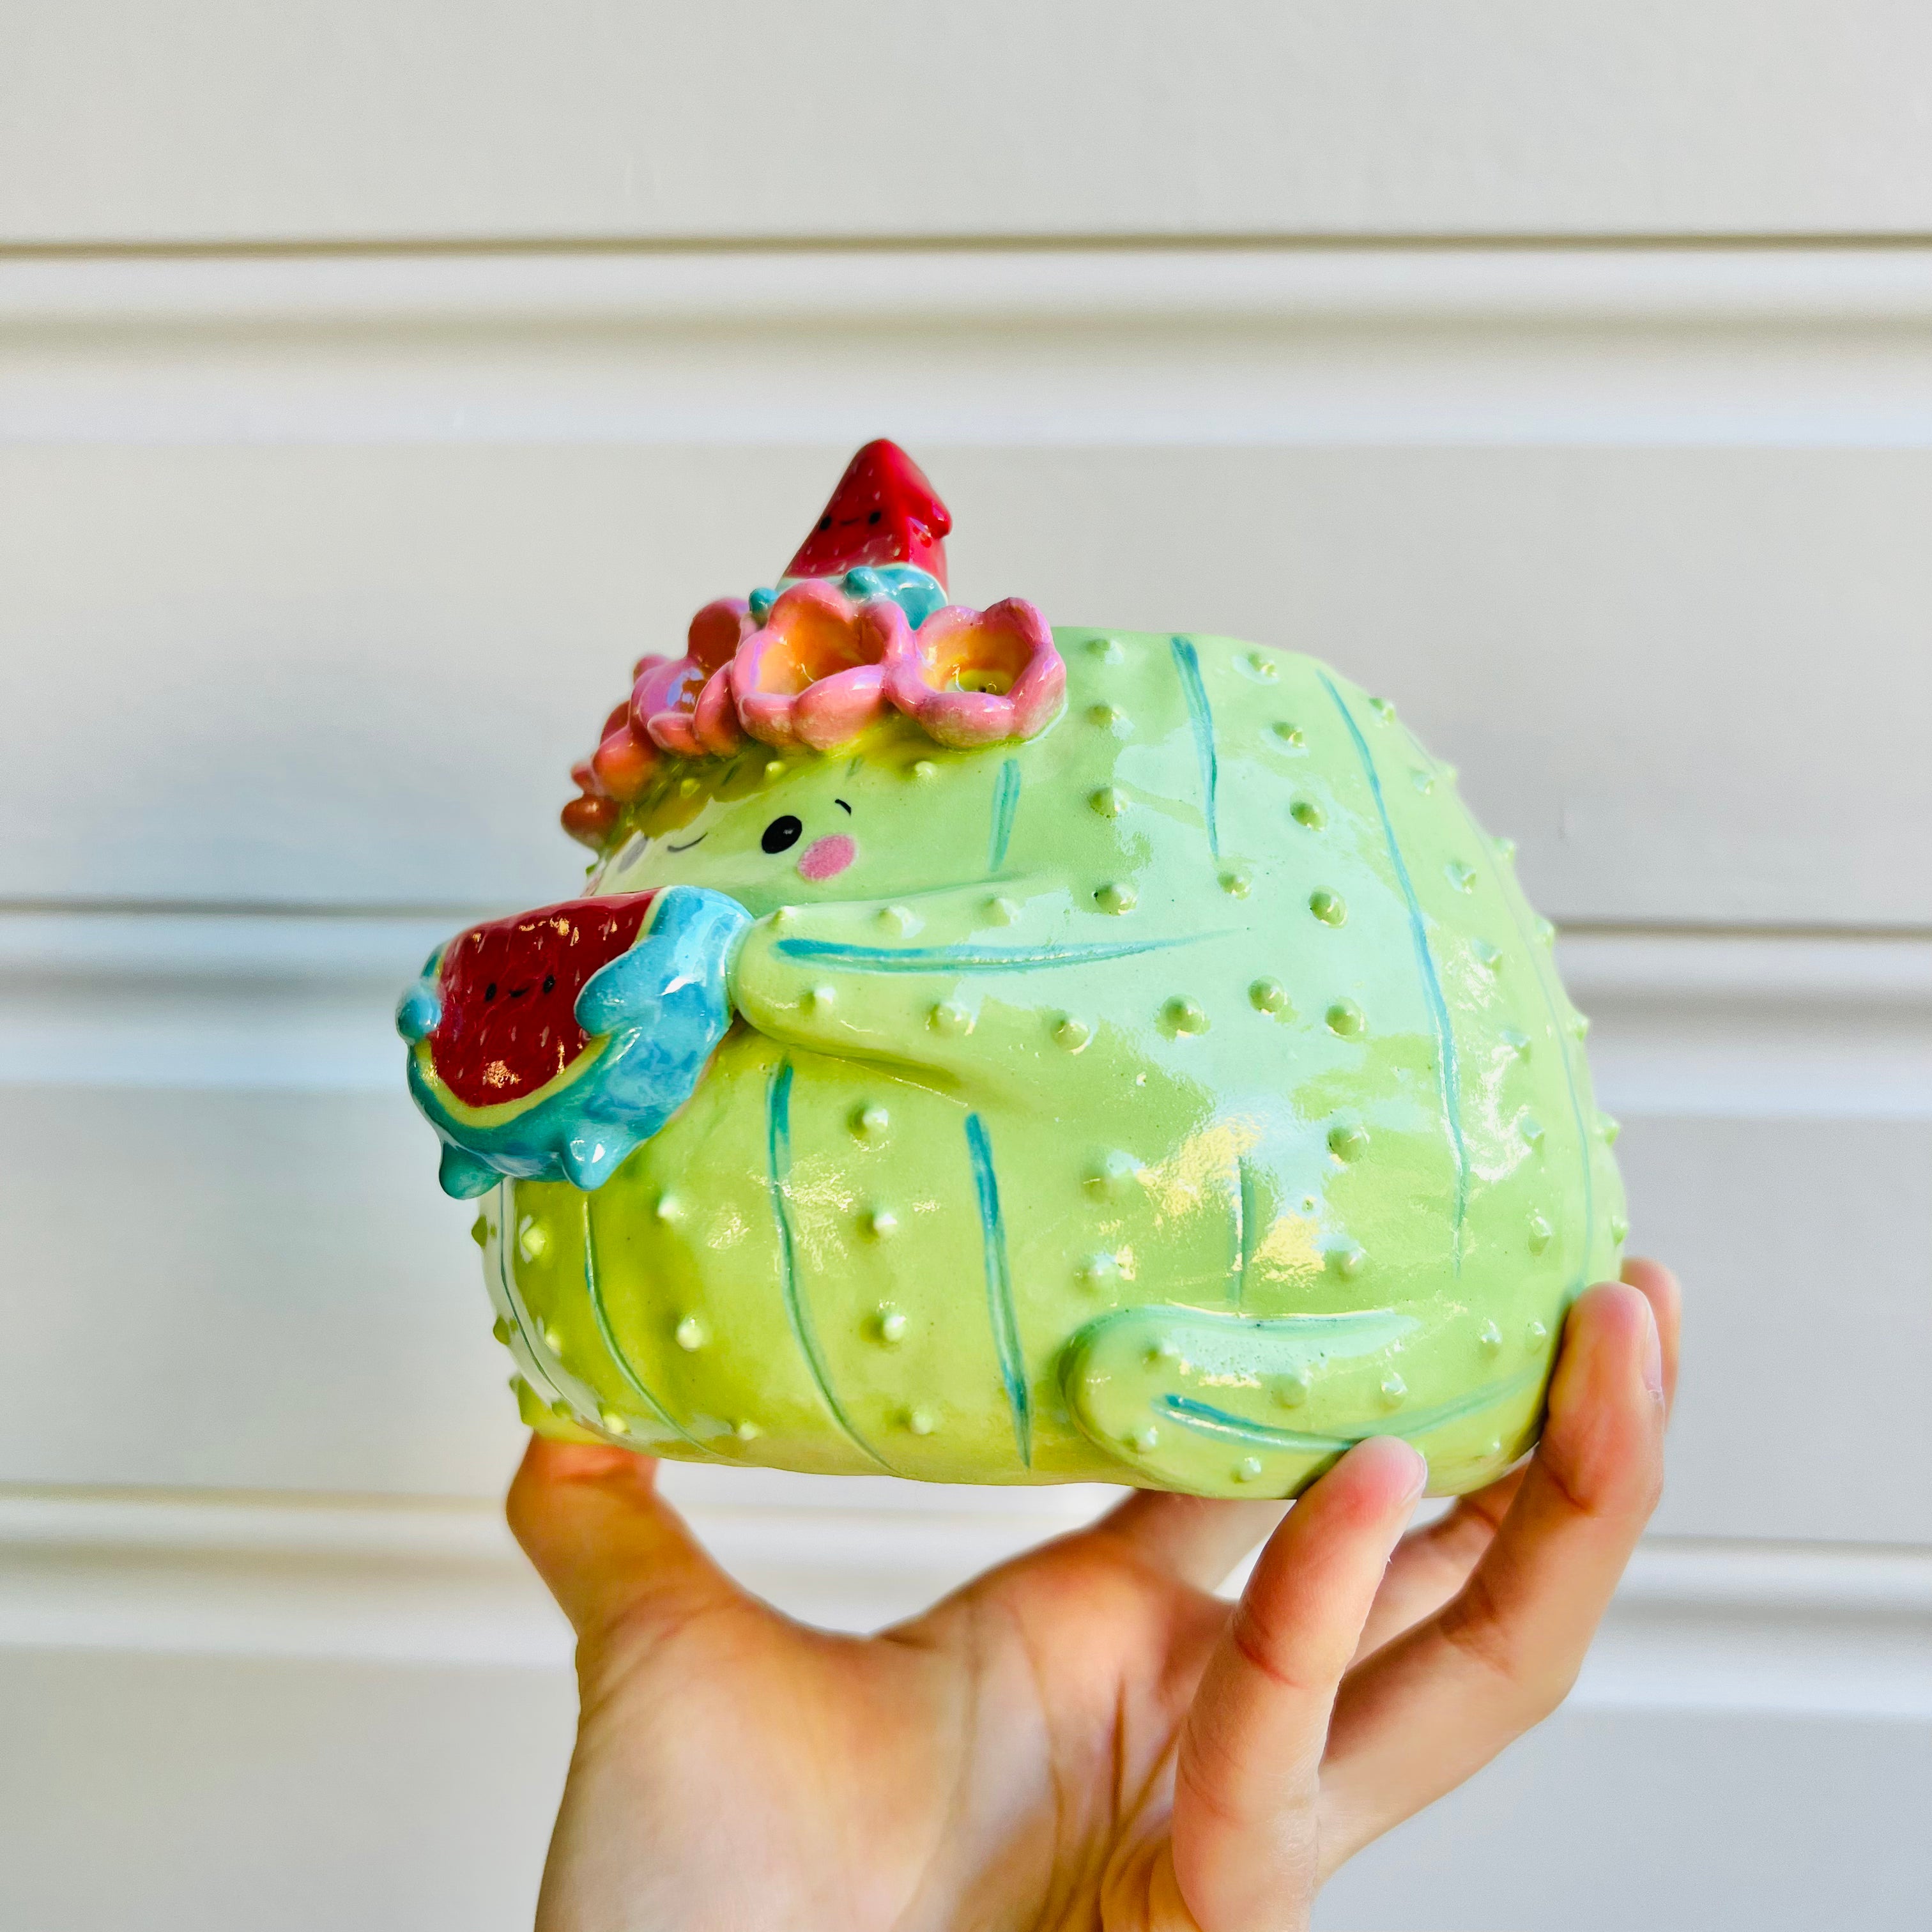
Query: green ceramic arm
<point>1001,983</point>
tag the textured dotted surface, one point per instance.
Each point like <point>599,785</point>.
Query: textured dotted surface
<point>1234,1113</point>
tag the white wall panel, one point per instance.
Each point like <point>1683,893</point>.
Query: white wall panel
<point>1747,345</point>
<point>336,563</point>
<point>217,120</point>
<point>241,1289</point>
<point>275,1797</point>
<point>319,564</point>
<point>1683,1823</point>
<point>1706,1624</point>
<point>296,1795</point>
<point>1687,683</point>
<point>281,1714</point>
<point>1777,1098</point>
<point>1807,1247</point>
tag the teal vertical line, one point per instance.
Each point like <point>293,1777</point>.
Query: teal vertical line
<point>1000,1286</point>
<point>593,1286</point>
<point>1245,1226</point>
<point>1545,973</point>
<point>778,1155</point>
<point>1187,663</point>
<point>506,1224</point>
<point>1425,962</point>
<point>1005,805</point>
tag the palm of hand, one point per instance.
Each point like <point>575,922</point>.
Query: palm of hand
<point>1085,1736</point>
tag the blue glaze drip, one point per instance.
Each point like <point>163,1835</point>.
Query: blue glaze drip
<point>1425,961</point>
<point>594,1287</point>
<point>1000,1286</point>
<point>778,1160</point>
<point>460,1175</point>
<point>970,958</point>
<point>419,1011</point>
<point>1187,663</point>
<point>917,593</point>
<point>654,1014</point>
<point>1006,806</point>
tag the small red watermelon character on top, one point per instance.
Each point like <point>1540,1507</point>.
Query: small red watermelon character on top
<point>859,624</point>
<point>883,512</point>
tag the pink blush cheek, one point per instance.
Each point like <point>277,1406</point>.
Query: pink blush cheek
<point>825,858</point>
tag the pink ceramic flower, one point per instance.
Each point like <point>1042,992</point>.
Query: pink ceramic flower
<point>975,677</point>
<point>714,723</point>
<point>814,674</point>
<point>623,761</point>
<point>664,701</point>
<point>589,816</point>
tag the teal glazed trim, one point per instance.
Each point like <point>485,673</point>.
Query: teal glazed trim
<point>1246,1221</point>
<point>594,1289</point>
<point>970,958</point>
<point>1543,972</point>
<point>1000,1286</point>
<point>1187,663</point>
<point>1196,1415</point>
<point>1204,1417</point>
<point>778,1157</point>
<point>1005,804</point>
<point>1425,961</point>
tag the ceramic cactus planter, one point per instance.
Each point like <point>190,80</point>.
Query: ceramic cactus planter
<point>1146,1072</point>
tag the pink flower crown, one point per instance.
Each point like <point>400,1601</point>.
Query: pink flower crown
<point>820,668</point>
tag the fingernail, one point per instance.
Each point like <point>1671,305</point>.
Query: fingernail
<point>1419,1476</point>
<point>1653,1354</point>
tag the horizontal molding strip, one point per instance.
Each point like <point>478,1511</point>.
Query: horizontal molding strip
<point>1890,283</point>
<point>1697,1625</point>
<point>1024,347</point>
<point>1704,1024</point>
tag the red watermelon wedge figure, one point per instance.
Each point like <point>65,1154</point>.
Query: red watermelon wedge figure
<point>883,512</point>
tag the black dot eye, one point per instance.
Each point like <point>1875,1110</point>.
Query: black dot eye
<point>825,522</point>
<point>490,991</point>
<point>549,983</point>
<point>781,833</point>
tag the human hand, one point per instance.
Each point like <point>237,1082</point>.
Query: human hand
<point>1085,1735</point>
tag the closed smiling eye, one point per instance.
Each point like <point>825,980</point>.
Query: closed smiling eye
<point>688,844</point>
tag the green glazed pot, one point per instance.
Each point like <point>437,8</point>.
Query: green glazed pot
<point>1172,1098</point>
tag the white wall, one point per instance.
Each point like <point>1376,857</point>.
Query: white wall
<point>376,382</point>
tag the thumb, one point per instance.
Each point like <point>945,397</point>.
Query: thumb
<point>611,1550</point>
